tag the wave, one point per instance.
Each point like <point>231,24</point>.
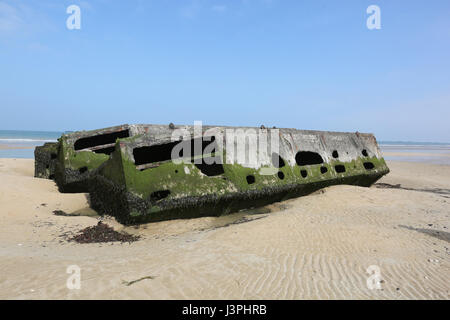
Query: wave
<point>414,146</point>
<point>9,140</point>
<point>411,143</point>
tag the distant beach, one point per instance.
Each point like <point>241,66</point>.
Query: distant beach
<point>21,144</point>
<point>433,153</point>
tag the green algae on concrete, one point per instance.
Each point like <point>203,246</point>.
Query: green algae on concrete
<point>45,159</point>
<point>136,191</point>
<point>127,180</point>
<point>81,153</point>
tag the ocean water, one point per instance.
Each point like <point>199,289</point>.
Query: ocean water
<point>21,144</point>
<point>434,153</point>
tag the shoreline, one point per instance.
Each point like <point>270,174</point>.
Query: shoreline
<point>14,147</point>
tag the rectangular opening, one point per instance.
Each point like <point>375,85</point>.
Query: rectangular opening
<point>152,154</point>
<point>107,150</point>
<point>100,140</point>
<point>211,167</point>
<point>159,195</point>
<point>163,152</point>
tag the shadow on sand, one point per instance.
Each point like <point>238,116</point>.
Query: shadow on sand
<point>441,235</point>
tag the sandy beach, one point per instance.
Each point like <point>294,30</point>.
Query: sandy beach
<point>14,147</point>
<point>315,247</point>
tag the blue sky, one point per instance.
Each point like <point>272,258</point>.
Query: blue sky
<point>301,64</point>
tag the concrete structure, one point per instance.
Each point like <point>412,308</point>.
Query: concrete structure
<point>139,180</point>
<point>80,153</point>
<point>45,160</point>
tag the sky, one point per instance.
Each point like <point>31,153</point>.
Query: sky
<point>305,64</point>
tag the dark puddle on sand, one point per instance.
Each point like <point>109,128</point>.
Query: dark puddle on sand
<point>85,212</point>
<point>170,228</point>
<point>442,192</point>
<point>439,234</point>
<point>242,216</point>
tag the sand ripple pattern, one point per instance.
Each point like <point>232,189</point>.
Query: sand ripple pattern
<point>315,247</point>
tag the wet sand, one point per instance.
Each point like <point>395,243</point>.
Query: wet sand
<point>315,247</point>
<point>14,147</point>
<point>434,154</point>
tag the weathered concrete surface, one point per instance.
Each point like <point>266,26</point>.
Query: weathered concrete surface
<point>80,153</point>
<point>139,183</point>
<point>45,158</point>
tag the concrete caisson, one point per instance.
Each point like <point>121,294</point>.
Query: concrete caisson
<point>141,181</point>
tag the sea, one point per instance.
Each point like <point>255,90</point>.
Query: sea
<point>427,152</point>
<point>21,144</point>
